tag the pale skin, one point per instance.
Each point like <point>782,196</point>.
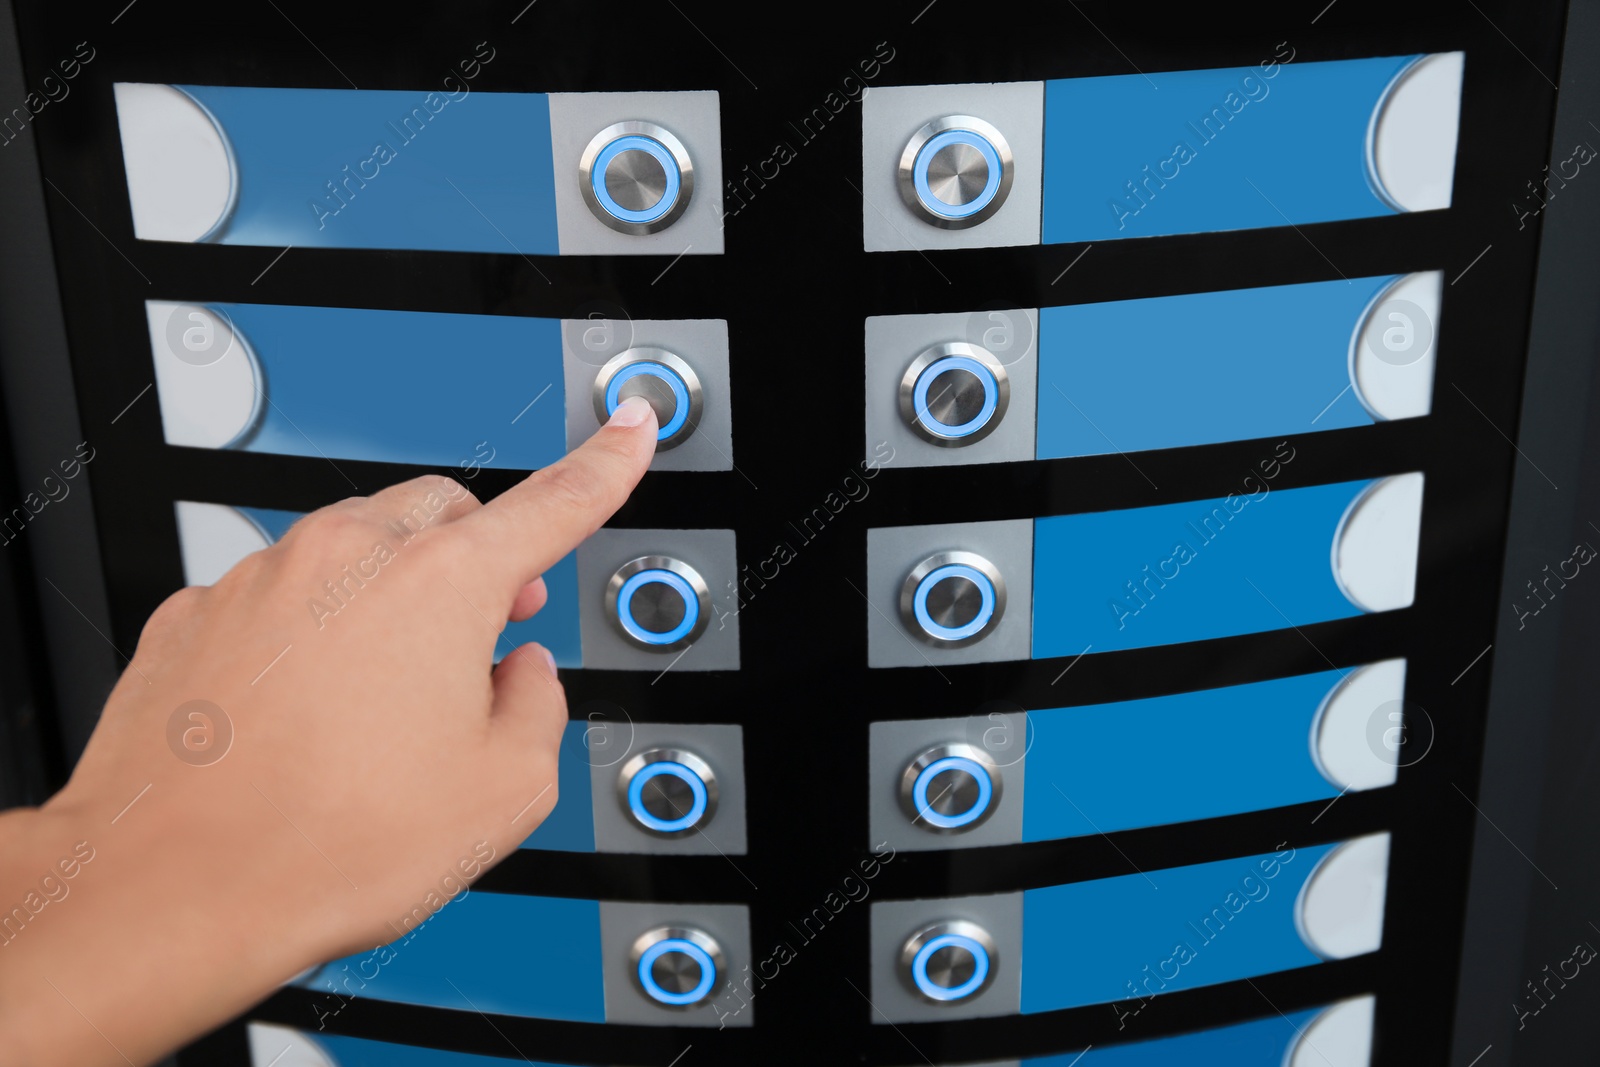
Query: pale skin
<point>368,760</point>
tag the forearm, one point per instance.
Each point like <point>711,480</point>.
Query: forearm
<point>112,933</point>
<point>158,895</point>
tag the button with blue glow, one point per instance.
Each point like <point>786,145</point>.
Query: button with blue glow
<point>658,603</point>
<point>676,967</point>
<point>636,177</point>
<point>954,394</point>
<point>952,599</point>
<point>668,792</point>
<point>950,788</point>
<point>669,384</point>
<point>955,172</point>
<point>948,961</point>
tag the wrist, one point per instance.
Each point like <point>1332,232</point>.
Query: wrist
<point>186,867</point>
<point>189,903</point>
<point>45,854</point>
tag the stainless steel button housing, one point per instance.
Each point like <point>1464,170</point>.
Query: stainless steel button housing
<point>947,962</point>
<point>955,172</point>
<point>954,394</point>
<point>950,788</point>
<point>669,384</point>
<point>668,792</point>
<point>658,603</point>
<point>636,177</point>
<point>676,966</point>
<point>952,599</point>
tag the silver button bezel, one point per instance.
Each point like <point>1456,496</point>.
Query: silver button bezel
<point>708,944</point>
<point>961,928</point>
<point>927,358</point>
<point>662,136</point>
<point>697,766</point>
<point>905,174</point>
<point>926,759</point>
<point>908,593</point>
<point>665,563</point>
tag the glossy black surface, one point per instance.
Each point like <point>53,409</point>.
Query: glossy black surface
<point>795,288</point>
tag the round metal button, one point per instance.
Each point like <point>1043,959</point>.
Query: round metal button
<point>955,172</point>
<point>666,382</point>
<point>676,966</point>
<point>952,599</point>
<point>636,177</point>
<point>950,788</point>
<point>668,791</point>
<point>954,394</point>
<point>658,603</point>
<point>948,961</point>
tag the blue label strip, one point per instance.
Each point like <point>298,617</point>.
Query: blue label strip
<point>484,952</point>
<point>570,825</point>
<point>334,168</point>
<point>1260,560</point>
<point>555,626</point>
<point>1197,369</point>
<point>1261,1043</point>
<point>271,522</point>
<point>1140,935</point>
<point>404,386</point>
<point>358,1052</point>
<point>1199,756</point>
<point>1198,151</point>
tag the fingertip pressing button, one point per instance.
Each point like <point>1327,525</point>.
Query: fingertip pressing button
<point>667,383</point>
<point>636,177</point>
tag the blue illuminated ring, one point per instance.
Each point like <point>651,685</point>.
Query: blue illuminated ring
<point>919,174</point>
<point>708,971</point>
<point>683,774</point>
<point>919,602</point>
<point>680,393</point>
<point>636,143</point>
<point>928,988</point>
<point>980,774</point>
<point>915,393</point>
<point>691,607</point>
<point>991,395</point>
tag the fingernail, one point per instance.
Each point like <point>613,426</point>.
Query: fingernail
<point>631,412</point>
<point>549,660</point>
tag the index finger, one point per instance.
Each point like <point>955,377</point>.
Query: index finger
<point>531,526</point>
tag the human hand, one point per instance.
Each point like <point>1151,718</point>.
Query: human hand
<point>375,759</point>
